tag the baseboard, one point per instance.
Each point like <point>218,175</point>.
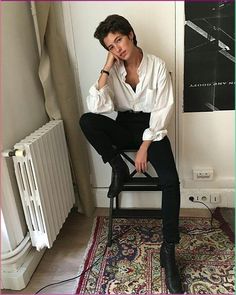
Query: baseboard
<point>18,280</point>
<point>225,198</point>
<point>153,199</point>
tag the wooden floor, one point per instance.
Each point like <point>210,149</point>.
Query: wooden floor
<point>66,256</point>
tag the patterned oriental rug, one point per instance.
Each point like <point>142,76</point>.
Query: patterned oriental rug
<point>132,264</point>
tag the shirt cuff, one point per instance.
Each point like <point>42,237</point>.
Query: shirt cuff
<point>94,90</point>
<point>149,134</point>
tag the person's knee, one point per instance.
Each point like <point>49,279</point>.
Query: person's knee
<point>85,120</point>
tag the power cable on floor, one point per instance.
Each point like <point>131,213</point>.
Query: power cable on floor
<point>198,231</point>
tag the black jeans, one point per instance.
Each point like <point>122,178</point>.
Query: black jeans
<point>108,136</point>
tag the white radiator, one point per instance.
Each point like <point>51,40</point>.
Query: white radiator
<point>45,183</point>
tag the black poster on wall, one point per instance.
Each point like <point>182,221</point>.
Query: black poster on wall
<point>209,60</point>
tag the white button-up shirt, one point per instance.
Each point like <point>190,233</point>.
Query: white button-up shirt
<point>153,95</point>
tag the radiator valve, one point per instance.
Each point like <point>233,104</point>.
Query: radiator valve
<point>13,153</point>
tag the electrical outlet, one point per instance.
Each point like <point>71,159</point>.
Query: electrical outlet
<point>204,197</point>
<point>193,197</point>
<point>203,174</point>
<point>215,198</point>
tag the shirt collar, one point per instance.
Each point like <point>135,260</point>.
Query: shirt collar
<point>143,65</point>
<point>141,69</point>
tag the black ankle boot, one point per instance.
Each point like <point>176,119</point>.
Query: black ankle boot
<point>167,259</point>
<point>120,173</point>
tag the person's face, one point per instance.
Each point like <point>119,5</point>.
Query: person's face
<point>120,45</point>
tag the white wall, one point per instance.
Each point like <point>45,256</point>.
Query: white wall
<point>208,141</point>
<point>22,104</point>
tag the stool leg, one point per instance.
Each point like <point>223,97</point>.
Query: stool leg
<point>117,202</point>
<point>109,239</point>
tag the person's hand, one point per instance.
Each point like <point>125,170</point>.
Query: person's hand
<point>141,156</point>
<point>141,160</point>
<point>111,59</point>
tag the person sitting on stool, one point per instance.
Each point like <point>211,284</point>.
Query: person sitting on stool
<point>138,86</point>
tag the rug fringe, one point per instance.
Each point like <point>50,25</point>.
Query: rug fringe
<point>90,243</point>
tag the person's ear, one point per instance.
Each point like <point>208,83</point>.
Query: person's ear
<point>131,36</point>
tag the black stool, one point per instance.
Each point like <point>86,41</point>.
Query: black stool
<point>144,183</point>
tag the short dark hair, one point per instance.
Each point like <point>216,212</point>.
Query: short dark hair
<point>112,24</point>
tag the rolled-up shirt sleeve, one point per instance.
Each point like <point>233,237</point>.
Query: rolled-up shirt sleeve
<point>100,101</point>
<point>163,108</point>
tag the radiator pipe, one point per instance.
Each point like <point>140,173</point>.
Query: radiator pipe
<point>25,244</point>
